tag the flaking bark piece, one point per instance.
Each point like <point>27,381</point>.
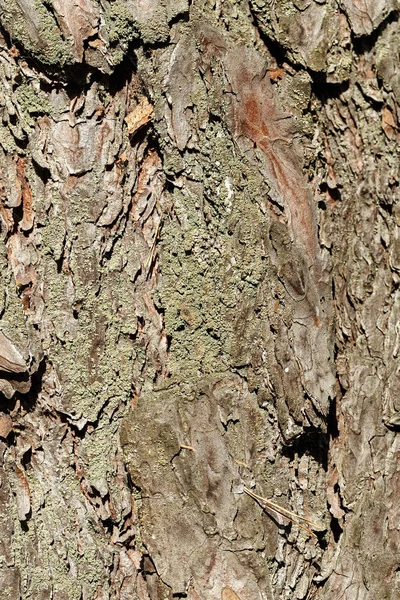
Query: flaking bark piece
<point>11,360</point>
<point>6,426</point>
<point>14,369</point>
<point>140,116</point>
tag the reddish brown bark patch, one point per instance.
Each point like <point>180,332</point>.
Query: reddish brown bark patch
<point>257,116</point>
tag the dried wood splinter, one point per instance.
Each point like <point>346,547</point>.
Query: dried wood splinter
<point>185,447</point>
<point>284,512</point>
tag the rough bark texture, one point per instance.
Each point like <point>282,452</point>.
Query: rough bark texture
<point>200,266</point>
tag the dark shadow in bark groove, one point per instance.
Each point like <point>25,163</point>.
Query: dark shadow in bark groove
<point>275,49</point>
<point>27,400</point>
<point>314,443</point>
<point>334,193</point>
<point>333,429</point>
<point>30,399</point>
<point>24,525</point>
<point>20,377</point>
<point>366,43</point>
<point>147,565</point>
<point>336,529</point>
<point>324,90</point>
<point>122,73</point>
<point>42,172</point>
<point>183,17</point>
<point>18,215</point>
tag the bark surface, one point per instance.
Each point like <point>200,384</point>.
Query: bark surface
<point>200,262</point>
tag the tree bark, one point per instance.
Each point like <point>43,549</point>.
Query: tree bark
<point>199,299</point>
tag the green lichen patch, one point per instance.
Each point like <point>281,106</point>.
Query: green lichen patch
<point>121,28</point>
<point>155,30</point>
<point>65,560</point>
<point>32,100</point>
<point>37,32</point>
<point>7,141</point>
<point>90,365</point>
<point>213,262</point>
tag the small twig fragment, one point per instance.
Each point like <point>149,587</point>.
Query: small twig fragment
<point>284,512</point>
<point>241,463</point>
